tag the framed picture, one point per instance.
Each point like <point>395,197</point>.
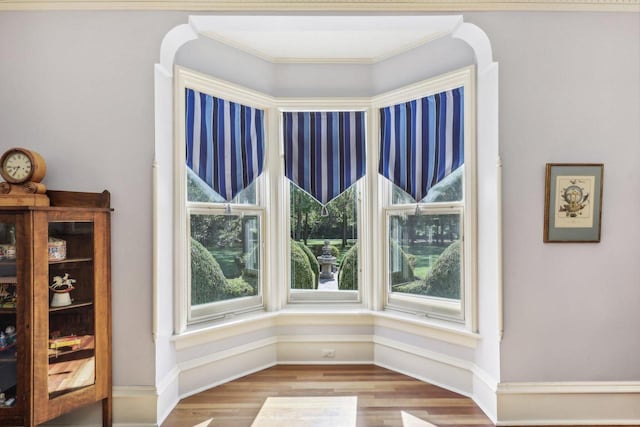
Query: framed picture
<point>573,202</point>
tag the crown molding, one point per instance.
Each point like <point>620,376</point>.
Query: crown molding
<point>323,5</point>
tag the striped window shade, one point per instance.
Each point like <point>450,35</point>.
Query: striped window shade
<point>422,141</point>
<point>324,151</point>
<point>225,142</point>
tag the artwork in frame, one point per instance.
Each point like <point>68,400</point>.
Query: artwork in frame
<point>573,202</point>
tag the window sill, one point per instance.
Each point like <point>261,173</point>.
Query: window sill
<point>441,330</point>
<point>224,328</point>
<point>322,316</point>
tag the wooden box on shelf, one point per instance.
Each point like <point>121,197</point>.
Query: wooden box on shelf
<point>55,308</point>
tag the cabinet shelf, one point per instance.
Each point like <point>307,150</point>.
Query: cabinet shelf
<point>70,261</point>
<point>4,310</point>
<point>71,307</point>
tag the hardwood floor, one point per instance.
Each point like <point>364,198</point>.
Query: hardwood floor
<point>381,393</point>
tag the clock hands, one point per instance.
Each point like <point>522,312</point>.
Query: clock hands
<point>13,170</point>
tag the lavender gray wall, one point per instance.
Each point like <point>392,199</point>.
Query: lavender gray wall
<point>569,92</point>
<point>78,88</point>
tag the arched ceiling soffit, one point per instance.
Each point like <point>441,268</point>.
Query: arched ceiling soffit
<point>345,39</point>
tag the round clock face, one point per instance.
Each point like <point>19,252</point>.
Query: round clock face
<point>17,167</point>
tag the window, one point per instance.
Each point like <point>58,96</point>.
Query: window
<point>407,246</point>
<point>221,141</point>
<point>427,159</point>
<point>329,242</point>
<point>324,157</point>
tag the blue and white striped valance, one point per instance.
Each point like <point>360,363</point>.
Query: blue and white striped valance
<point>422,141</point>
<point>324,151</point>
<point>225,142</point>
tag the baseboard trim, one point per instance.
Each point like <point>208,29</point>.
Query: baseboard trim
<point>484,393</point>
<point>569,403</point>
<point>506,404</point>
<point>135,406</point>
<point>441,370</point>
<point>168,394</point>
<point>457,375</point>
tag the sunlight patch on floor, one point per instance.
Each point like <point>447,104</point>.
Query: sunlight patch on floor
<point>409,420</point>
<point>204,423</point>
<point>317,411</point>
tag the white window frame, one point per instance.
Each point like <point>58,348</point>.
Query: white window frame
<point>313,296</point>
<point>437,309</point>
<point>186,314</point>
<point>374,208</point>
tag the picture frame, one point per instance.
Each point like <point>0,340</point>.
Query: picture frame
<point>573,202</point>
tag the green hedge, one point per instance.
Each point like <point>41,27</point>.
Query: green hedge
<point>238,287</point>
<point>348,276</point>
<point>207,280</point>
<point>444,278</point>
<point>302,276</point>
<point>407,264</point>
<point>313,261</point>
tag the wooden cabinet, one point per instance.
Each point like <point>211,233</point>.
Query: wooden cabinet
<point>55,308</point>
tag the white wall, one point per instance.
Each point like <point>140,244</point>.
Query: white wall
<point>78,88</point>
<point>569,92</point>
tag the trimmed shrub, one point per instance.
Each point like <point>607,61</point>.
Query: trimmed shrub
<point>301,273</point>
<point>444,278</point>
<point>313,261</point>
<point>348,276</point>
<point>238,287</point>
<point>207,280</point>
<point>407,263</point>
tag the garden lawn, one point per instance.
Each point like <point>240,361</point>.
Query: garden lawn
<point>426,255</point>
<point>226,257</point>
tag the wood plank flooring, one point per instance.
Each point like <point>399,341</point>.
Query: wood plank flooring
<point>382,395</point>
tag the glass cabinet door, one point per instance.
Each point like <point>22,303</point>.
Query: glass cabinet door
<point>10,291</point>
<point>71,344</point>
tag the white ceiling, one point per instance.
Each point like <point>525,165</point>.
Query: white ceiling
<point>353,39</point>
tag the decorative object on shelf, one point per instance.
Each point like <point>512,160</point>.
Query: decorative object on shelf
<point>7,251</point>
<point>7,295</point>
<point>10,333</point>
<point>573,202</point>
<point>61,288</point>
<point>8,338</point>
<point>61,342</point>
<point>23,170</point>
<point>57,249</point>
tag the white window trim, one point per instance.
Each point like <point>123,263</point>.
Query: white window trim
<point>227,308</point>
<point>185,314</point>
<point>302,296</point>
<point>372,294</point>
<point>434,307</point>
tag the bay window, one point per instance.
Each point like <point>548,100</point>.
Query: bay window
<point>309,218</point>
